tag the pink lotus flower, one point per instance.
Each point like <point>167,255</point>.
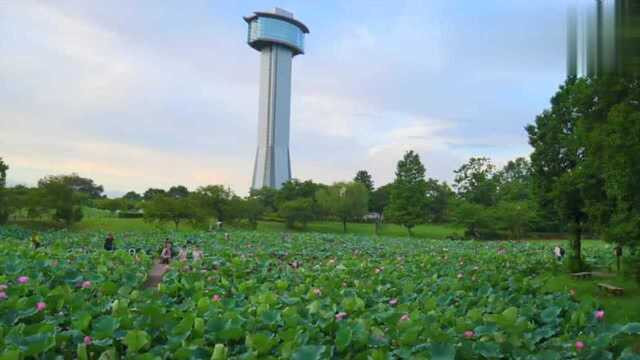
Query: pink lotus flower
<point>579,345</point>
<point>599,315</point>
<point>88,340</point>
<point>393,302</point>
<point>41,306</point>
<point>405,317</point>
<point>3,295</point>
<point>216,298</point>
<point>3,287</point>
<point>317,291</point>
<point>86,284</point>
<point>469,334</point>
<point>341,315</point>
<point>23,279</point>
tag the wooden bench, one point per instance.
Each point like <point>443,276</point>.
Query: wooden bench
<point>611,289</point>
<point>582,275</point>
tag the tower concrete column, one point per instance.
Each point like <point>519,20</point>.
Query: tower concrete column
<point>278,37</point>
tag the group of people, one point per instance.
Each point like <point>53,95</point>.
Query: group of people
<point>168,253</point>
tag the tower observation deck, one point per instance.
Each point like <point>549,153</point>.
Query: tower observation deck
<point>278,37</point>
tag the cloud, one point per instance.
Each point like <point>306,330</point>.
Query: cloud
<point>139,94</point>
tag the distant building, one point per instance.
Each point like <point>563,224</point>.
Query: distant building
<point>279,37</point>
<point>603,38</point>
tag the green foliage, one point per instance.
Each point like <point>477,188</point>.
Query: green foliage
<point>132,196</point>
<point>297,211</point>
<point>267,197</point>
<point>77,184</point>
<point>113,205</point>
<point>516,217</point>
<point>295,189</point>
<point>438,194</point>
<point>474,217</point>
<point>179,191</point>
<point>408,202</point>
<point>216,201</point>
<point>380,198</point>
<point>270,308</point>
<point>363,177</point>
<point>476,181</point>
<point>345,201</point>
<point>170,209</point>
<point>252,210</point>
<point>152,192</point>
<point>515,181</point>
<point>56,194</point>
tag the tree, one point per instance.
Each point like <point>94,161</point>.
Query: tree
<point>78,184</point>
<point>363,177</point>
<point>476,182</point>
<point>164,208</point>
<point>565,167</point>
<point>215,200</point>
<point>112,205</point>
<point>4,206</point>
<point>132,196</point>
<point>408,202</point>
<point>252,210</point>
<point>295,189</point>
<point>346,201</point>
<point>475,218</point>
<point>152,192</point>
<point>267,197</point>
<point>614,146</point>
<point>514,181</point>
<point>59,196</point>
<point>179,191</point>
<point>297,211</point>
<point>515,217</point>
<point>380,198</point>
<point>437,203</point>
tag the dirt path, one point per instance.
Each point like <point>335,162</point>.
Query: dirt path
<point>155,275</point>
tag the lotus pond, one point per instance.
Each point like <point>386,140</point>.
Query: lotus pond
<point>305,296</point>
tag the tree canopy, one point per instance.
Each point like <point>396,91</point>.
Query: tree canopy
<point>345,201</point>
<point>408,196</point>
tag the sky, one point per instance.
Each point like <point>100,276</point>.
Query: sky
<point>147,93</point>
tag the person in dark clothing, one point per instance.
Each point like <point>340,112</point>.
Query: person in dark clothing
<point>108,243</point>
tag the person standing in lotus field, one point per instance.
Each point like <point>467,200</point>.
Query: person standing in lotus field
<point>108,243</point>
<point>167,252</point>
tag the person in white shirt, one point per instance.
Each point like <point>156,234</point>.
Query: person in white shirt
<point>197,254</point>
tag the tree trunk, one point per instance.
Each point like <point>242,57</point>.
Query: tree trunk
<point>177,223</point>
<point>409,230</point>
<point>576,240</point>
<point>344,225</point>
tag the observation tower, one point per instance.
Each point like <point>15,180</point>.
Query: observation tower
<point>278,37</point>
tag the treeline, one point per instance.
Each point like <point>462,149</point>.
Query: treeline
<point>59,198</point>
<point>487,201</point>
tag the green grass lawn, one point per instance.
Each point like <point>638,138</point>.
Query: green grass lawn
<point>123,225</point>
<point>427,231</point>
